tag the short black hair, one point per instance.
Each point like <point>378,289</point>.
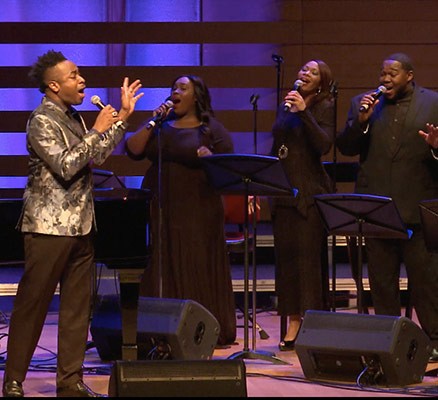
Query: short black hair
<point>44,62</point>
<point>403,59</point>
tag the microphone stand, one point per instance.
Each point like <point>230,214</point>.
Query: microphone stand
<point>334,93</point>
<point>158,122</point>
<point>253,100</point>
<point>279,60</point>
<point>160,210</point>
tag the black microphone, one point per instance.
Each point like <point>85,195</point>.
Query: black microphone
<point>160,116</point>
<point>376,94</point>
<point>253,99</point>
<point>334,88</point>
<point>277,58</point>
<point>296,86</point>
<point>98,103</point>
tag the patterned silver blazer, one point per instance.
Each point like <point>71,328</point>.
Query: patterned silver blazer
<point>58,198</point>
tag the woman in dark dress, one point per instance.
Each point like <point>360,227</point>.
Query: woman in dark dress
<point>302,133</point>
<point>194,259</point>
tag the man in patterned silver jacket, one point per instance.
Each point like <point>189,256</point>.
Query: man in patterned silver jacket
<point>57,221</point>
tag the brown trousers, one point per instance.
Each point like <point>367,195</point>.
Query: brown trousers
<point>50,260</point>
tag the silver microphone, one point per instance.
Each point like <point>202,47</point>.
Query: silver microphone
<point>297,84</point>
<point>98,103</point>
<point>376,94</point>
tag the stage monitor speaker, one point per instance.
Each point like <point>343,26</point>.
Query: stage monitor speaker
<point>166,329</point>
<point>370,349</point>
<point>177,329</point>
<point>175,378</point>
<point>106,327</point>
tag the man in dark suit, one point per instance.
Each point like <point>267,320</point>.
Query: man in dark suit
<point>395,137</point>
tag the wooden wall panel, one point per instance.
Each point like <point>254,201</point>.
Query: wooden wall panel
<point>147,32</point>
<point>110,77</point>
<point>351,36</point>
<point>358,66</point>
<point>234,120</point>
<point>370,10</point>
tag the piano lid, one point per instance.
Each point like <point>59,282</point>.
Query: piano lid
<point>121,194</point>
<point>99,193</point>
<point>11,194</point>
<point>122,217</point>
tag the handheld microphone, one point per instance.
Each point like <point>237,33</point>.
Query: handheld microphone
<point>296,86</point>
<point>98,103</point>
<point>160,116</point>
<point>376,94</point>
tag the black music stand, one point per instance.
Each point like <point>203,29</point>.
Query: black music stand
<point>429,222</point>
<point>248,174</point>
<point>360,215</point>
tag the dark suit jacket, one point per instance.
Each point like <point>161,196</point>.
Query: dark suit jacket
<point>407,171</point>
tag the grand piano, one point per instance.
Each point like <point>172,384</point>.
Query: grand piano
<point>122,217</point>
<point>121,243</point>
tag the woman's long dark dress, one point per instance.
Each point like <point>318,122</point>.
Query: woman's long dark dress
<point>194,260</point>
<point>299,235</point>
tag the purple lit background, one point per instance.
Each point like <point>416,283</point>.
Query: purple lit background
<point>138,55</point>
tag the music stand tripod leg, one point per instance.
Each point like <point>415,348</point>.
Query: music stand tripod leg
<point>359,274</point>
<point>262,333</point>
<point>247,353</point>
<point>359,284</point>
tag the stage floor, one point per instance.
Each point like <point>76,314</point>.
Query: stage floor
<point>263,378</point>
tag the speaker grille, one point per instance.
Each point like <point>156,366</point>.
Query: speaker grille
<point>382,350</point>
<point>168,378</point>
<point>183,328</point>
<point>198,371</point>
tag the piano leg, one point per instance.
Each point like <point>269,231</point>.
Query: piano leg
<point>129,291</point>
